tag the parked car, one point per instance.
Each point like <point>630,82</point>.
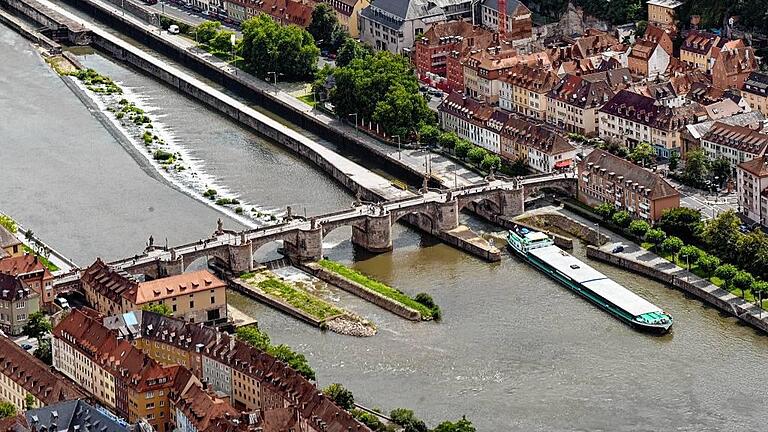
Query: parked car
<point>26,346</point>
<point>61,301</point>
<point>435,92</point>
<point>744,229</point>
<point>173,29</point>
<point>617,249</point>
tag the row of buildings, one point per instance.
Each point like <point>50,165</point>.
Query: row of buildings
<point>176,375</point>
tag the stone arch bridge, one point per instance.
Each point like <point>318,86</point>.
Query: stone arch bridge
<point>434,212</point>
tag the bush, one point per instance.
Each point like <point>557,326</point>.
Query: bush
<point>210,193</point>
<point>162,155</point>
<point>239,210</point>
<point>605,210</point>
<point>621,218</point>
<point>407,419</point>
<point>8,223</point>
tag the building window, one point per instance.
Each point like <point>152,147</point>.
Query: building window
<point>213,300</point>
<point>192,304</point>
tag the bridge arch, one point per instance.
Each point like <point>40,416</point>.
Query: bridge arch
<point>418,216</point>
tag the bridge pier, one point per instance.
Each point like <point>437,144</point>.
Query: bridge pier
<point>241,257</point>
<point>307,245</point>
<point>375,235</point>
<point>446,215</point>
<point>512,202</point>
<point>170,267</point>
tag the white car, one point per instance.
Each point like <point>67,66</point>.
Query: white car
<point>173,29</point>
<point>61,301</point>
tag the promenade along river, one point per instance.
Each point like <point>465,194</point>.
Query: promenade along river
<point>514,352</point>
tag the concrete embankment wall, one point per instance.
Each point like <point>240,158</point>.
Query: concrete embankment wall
<point>36,37</point>
<point>686,282</point>
<point>272,302</point>
<point>355,288</point>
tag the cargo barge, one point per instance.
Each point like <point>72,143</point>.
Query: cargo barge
<point>539,250</point>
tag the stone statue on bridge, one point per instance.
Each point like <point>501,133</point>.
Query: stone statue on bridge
<point>219,227</point>
<point>151,242</point>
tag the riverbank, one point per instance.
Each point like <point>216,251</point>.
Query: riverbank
<point>636,259</point>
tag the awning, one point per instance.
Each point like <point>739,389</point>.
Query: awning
<point>563,164</point>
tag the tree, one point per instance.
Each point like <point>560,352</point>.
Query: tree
<point>462,425</point>
<point>43,351</point>
<point>684,222</point>
<point>720,169</point>
<point>448,140</point>
<point>759,289</point>
<point>642,154</point>
<point>206,31</point>
<point>269,47</point>
<point>431,135</point>
<point>295,360</point>
<point>721,235</point>
<point>323,24</point>
<point>696,167</point>
<point>369,420</point>
<point>621,218</point>
<point>672,245</point>
<point>743,281</point>
<point>752,252</point>
<point>254,336</point>
<point>690,254</point>
<point>490,161</point>
<point>655,236</point>
<point>639,227</point>
<point>29,401</point>
<point>708,263</point>
<point>674,161</point>
<point>37,325</point>
<point>726,272</point>
<point>476,154</point>
<point>462,148</point>
<point>222,42</point>
<point>340,395</point>
<point>160,308</point>
<point>8,223</point>
<point>605,210</point>
<point>350,50</point>
<point>401,110</point>
<point>407,419</point>
<point>7,409</point>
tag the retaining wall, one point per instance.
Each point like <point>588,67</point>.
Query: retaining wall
<point>280,305</point>
<point>36,37</point>
<point>355,288</point>
<point>691,284</point>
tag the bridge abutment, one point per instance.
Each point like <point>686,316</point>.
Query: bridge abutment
<point>376,234</point>
<point>241,257</point>
<point>512,202</point>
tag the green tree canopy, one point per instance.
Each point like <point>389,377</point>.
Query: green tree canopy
<point>639,227</point>
<point>37,325</point>
<point>206,31</point>
<point>351,50</point>
<point>384,88</point>
<point>690,253</point>
<point>43,352</point>
<point>621,218</point>
<point>222,42</point>
<point>743,281</point>
<point>696,167</point>
<point>160,308</point>
<point>323,24</point>
<point>476,154</point>
<point>431,135</point>
<point>8,223</point>
<point>490,161</point>
<point>674,161</point>
<point>462,425</point>
<point>708,263</point>
<point>448,140</point>
<point>672,244</point>
<point>759,289</point>
<point>289,51</point>
<point>655,236</point>
<point>605,210</point>
<point>683,222</point>
<point>408,420</point>
<point>720,169</point>
<point>254,336</point>
<point>29,402</point>
<point>7,409</point>
<point>752,252</point>
<point>340,395</point>
<point>643,154</point>
<point>462,148</point>
<point>293,359</point>
<point>721,235</point>
<point>726,272</point>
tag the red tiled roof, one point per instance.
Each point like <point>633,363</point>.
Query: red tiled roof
<point>536,136</point>
<point>757,166</point>
<point>737,137</point>
<point>581,92</point>
<point>25,264</point>
<point>643,179</point>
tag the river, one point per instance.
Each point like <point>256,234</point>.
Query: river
<point>514,351</point>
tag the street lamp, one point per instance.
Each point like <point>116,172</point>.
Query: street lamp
<point>355,115</point>
<point>398,145</point>
<point>275,75</point>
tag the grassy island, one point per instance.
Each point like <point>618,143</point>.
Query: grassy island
<point>422,303</point>
<point>292,295</point>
